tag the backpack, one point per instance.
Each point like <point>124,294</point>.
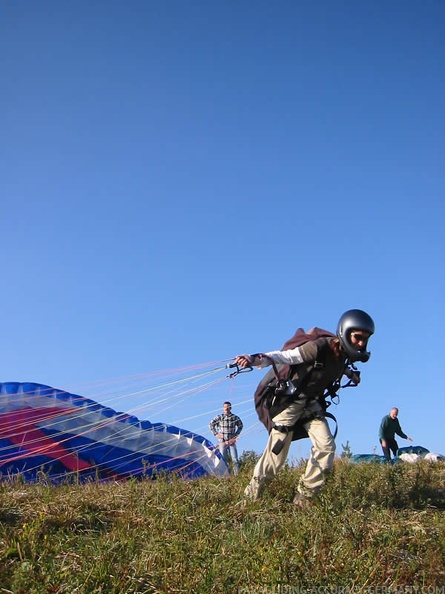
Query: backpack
<point>270,396</point>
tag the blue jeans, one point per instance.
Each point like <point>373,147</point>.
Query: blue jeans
<point>224,448</point>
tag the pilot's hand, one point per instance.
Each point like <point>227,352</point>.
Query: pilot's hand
<point>244,361</point>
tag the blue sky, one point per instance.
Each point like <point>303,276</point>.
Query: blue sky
<point>181,182</point>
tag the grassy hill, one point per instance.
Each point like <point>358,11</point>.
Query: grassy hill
<point>375,528</point>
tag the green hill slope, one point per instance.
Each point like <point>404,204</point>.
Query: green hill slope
<point>375,528</point>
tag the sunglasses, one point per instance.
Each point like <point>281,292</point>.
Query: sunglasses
<point>359,337</point>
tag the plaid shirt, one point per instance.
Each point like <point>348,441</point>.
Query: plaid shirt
<point>229,426</point>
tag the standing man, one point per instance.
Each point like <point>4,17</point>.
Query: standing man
<point>389,427</point>
<point>227,427</point>
<point>306,409</point>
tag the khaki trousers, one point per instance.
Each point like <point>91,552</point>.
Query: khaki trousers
<point>320,462</point>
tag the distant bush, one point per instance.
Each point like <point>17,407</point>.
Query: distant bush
<point>248,459</point>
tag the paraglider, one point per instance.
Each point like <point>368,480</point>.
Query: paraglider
<point>52,432</point>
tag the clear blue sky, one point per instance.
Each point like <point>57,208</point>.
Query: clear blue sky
<point>183,181</point>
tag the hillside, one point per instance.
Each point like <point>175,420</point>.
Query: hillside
<point>375,528</point>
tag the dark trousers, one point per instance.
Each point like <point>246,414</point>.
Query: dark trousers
<point>391,446</point>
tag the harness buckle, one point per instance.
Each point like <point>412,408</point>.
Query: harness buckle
<point>282,428</point>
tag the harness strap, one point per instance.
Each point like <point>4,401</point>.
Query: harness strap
<point>283,392</point>
<point>285,389</point>
<point>286,429</point>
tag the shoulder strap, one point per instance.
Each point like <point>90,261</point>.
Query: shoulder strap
<point>319,363</point>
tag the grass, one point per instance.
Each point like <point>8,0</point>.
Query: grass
<point>373,526</point>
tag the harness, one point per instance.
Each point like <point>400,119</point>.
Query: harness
<point>276,391</point>
<point>281,391</point>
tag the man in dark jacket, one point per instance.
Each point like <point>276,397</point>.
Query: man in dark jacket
<point>389,427</point>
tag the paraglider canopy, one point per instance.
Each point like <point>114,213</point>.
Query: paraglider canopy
<point>50,431</point>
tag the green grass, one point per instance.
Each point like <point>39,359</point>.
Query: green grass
<point>373,526</point>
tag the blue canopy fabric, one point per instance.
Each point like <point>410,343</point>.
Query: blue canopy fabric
<point>50,431</point>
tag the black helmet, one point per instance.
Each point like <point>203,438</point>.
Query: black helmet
<point>354,319</point>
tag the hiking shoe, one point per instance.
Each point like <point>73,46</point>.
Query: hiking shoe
<point>254,490</point>
<point>301,501</point>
